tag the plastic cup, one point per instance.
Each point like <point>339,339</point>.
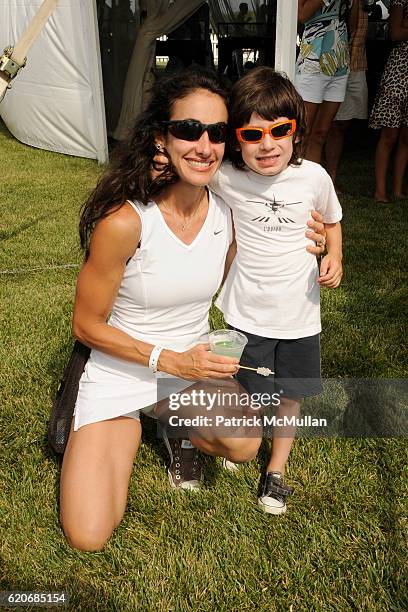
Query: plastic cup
<point>227,342</point>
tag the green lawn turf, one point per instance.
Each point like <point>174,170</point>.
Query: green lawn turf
<point>342,544</point>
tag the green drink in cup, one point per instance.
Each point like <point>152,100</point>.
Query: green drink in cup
<point>227,342</point>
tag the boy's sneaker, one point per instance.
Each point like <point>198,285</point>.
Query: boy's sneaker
<point>229,465</point>
<point>274,493</point>
<point>185,469</point>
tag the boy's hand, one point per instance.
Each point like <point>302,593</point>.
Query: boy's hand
<point>317,233</point>
<point>331,272</point>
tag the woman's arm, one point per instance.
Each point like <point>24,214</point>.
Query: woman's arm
<point>113,242</point>
<point>353,17</point>
<point>307,8</point>
<point>317,233</point>
<point>398,25</point>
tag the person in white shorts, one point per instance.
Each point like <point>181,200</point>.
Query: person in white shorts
<point>356,100</point>
<point>322,67</point>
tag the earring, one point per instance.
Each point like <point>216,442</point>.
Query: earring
<point>158,147</point>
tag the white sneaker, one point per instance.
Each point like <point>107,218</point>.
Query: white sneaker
<point>274,494</point>
<point>229,465</point>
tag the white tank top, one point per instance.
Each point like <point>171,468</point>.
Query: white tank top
<point>166,291</point>
<point>164,299</point>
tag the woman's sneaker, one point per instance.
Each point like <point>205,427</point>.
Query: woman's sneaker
<point>274,493</point>
<point>185,469</point>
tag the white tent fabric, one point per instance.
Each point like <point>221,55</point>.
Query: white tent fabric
<point>56,101</point>
<point>163,16</point>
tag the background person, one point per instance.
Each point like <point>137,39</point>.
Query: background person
<point>390,111</point>
<point>322,67</point>
<point>356,100</point>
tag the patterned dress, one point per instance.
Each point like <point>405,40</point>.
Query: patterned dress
<point>391,104</point>
<point>324,48</point>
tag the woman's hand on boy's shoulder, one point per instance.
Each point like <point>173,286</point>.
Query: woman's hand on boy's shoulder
<point>316,233</point>
<point>331,271</point>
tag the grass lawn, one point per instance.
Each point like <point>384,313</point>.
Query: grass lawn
<point>342,544</point>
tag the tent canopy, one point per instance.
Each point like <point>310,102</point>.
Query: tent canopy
<point>57,101</point>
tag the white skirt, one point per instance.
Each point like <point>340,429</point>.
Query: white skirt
<point>111,387</point>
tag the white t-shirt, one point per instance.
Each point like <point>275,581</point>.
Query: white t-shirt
<point>271,289</point>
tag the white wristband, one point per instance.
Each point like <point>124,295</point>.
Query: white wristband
<point>154,358</point>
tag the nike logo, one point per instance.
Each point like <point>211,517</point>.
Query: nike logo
<point>218,232</point>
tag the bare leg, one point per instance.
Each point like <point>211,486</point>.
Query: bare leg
<point>95,478</point>
<point>386,143</point>
<point>400,163</point>
<point>334,147</point>
<point>311,114</point>
<point>231,430</point>
<point>322,124</point>
<point>282,443</point>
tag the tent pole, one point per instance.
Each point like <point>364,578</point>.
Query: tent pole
<point>14,58</point>
<point>97,86</point>
<point>286,35</point>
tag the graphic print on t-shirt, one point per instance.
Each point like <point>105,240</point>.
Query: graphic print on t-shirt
<point>271,289</point>
<point>275,206</point>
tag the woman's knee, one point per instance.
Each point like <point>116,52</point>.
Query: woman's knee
<point>87,538</point>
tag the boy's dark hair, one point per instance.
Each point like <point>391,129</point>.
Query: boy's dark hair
<point>270,94</point>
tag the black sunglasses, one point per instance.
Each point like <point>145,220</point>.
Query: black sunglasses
<point>192,130</point>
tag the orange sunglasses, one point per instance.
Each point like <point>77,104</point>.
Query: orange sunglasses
<point>276,131</point>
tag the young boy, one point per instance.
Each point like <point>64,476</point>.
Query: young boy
<point>271,293</point>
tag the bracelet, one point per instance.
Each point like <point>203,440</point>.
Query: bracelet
<point>154,358</point>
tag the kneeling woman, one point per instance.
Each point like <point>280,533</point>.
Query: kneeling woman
<point>153,265</point>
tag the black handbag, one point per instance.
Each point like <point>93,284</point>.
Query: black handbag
<point>64,403</point>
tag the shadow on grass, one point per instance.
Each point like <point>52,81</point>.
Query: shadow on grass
<point>7,234</point>
<point>5,132</point>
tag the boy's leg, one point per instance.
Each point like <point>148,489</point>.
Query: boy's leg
<point>297,372</point>
<point>283,441</point>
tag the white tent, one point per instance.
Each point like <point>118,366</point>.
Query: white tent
<point>57,103</point>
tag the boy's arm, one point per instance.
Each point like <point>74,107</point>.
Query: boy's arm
<point>331,268</point>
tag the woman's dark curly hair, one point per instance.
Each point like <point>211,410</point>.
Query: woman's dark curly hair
<point>270,94</point>
<point>129,174</point>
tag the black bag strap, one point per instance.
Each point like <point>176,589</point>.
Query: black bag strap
<point>64,403</point>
